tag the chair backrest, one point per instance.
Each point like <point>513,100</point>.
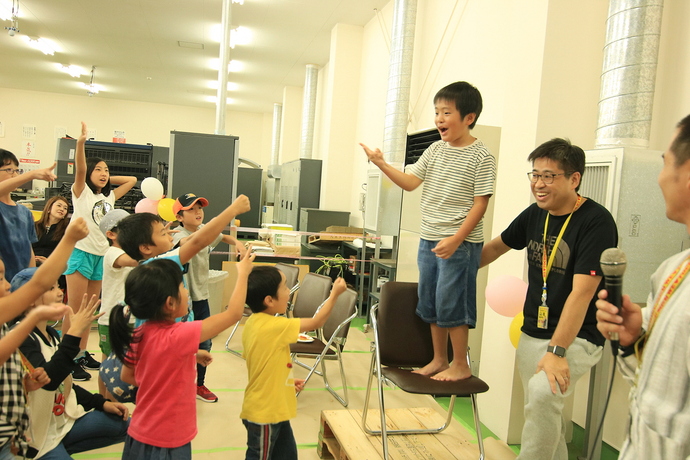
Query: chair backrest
<point>344,308</point>
<point>404,339</point>
<point>291,273</point>
<point>313,290</point>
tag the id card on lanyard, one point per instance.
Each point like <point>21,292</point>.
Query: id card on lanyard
<point>547,263</point>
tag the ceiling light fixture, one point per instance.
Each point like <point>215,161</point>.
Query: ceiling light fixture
<point>72,70</point>
<point>232,86</point>
<point>214,99</point>
<point>240,36</point>
<point>233,66</point>
<point>11,15</point>
<point>92,88</point>
<point>41,44</point>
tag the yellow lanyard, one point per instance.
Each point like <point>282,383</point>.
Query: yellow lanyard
<point>667,290</point>
<point>546,267</point>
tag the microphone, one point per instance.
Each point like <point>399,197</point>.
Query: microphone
<point>613,263</point>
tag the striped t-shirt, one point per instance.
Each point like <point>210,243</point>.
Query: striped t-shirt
<point>452,177</point>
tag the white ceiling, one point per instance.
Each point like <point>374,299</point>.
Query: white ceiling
<point>134,46</point>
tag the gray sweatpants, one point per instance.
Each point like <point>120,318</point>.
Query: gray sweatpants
<point>543,435</point>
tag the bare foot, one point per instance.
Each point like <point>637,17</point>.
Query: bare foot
<point>432,368</point>
<point>454,373</point>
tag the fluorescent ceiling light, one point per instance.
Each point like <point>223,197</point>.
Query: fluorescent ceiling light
<point>233,66</point>
<point>232,86</point>
<point>214,99</point>
<point>73,70</point>
<point>240,36</point>
<point>91,88</point>
<point>42,44</point>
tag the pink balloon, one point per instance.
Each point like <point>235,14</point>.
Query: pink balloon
<point>147,205</point>
<point>506,295</point>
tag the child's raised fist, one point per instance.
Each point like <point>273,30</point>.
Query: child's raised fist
<point>77,230</point>
<point>338,287</point>
<point>241,204</point>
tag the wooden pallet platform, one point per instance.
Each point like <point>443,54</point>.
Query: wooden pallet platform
<point>341,436</point>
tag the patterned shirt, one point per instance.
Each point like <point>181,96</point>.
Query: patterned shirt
<point>453,177</point>
<point>14,417</point>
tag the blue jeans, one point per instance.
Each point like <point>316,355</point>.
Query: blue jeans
<point>281,442</point>
<point>448,287</point>
<point>92,431</point>
<point>5,452</point>
<point>201,311</point>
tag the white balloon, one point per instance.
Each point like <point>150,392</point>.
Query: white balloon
<point>152,188</point>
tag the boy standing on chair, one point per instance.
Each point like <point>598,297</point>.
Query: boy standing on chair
<point>458,173</point>
<point>189,211</point>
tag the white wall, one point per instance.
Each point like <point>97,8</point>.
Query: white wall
<point>142,122</point>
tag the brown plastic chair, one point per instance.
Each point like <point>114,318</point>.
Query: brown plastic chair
<point>313,291</point>
<point>402,342</point>
<point>291,279</point>
<point>329,343</point>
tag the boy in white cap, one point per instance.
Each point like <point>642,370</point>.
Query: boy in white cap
<point>116,267</point>
<point>189,211</point>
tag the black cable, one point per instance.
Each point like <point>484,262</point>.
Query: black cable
<point>606,406</point>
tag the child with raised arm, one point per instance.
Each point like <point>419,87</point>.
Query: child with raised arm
<point>269,400</point>
<point>116,267</point>
<point>144,237</point>
<point>161,354</point>
<point>65,418</point>
<point>92,197</point>
<point>17,231</point>
<point>458,173</point>
<point>14,419</point>
<point>189,211</point>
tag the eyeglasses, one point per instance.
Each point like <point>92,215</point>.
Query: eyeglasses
<point>546,178</point>
<point>11,170</point>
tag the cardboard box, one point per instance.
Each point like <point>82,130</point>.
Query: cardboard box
<point>336,233</point>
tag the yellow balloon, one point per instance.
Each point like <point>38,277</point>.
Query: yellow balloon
<point>515,327</point>
<point>165,209</point>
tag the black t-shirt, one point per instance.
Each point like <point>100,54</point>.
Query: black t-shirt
<point>591,231</point>
<point>46,245</point>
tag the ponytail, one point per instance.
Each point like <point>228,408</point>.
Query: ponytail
<point>121,333</point>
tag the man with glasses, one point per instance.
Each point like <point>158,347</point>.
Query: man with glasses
<point>564,234</point>
<point>655,350</point>
<point>17,230</point>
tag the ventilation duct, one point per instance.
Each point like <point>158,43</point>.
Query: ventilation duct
<point>399,78</point>
<point>628,77</point>
<point>222,92</point>
<point>274,167</point>
<point>308,111</point>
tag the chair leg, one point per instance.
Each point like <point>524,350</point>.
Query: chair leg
<point>312,370</point>
<point>227,342</point>
<point>301,364</point>
<point>478,426</point>
<point>344,399</point>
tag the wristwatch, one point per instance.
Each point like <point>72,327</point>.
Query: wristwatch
<point>556,350</point>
